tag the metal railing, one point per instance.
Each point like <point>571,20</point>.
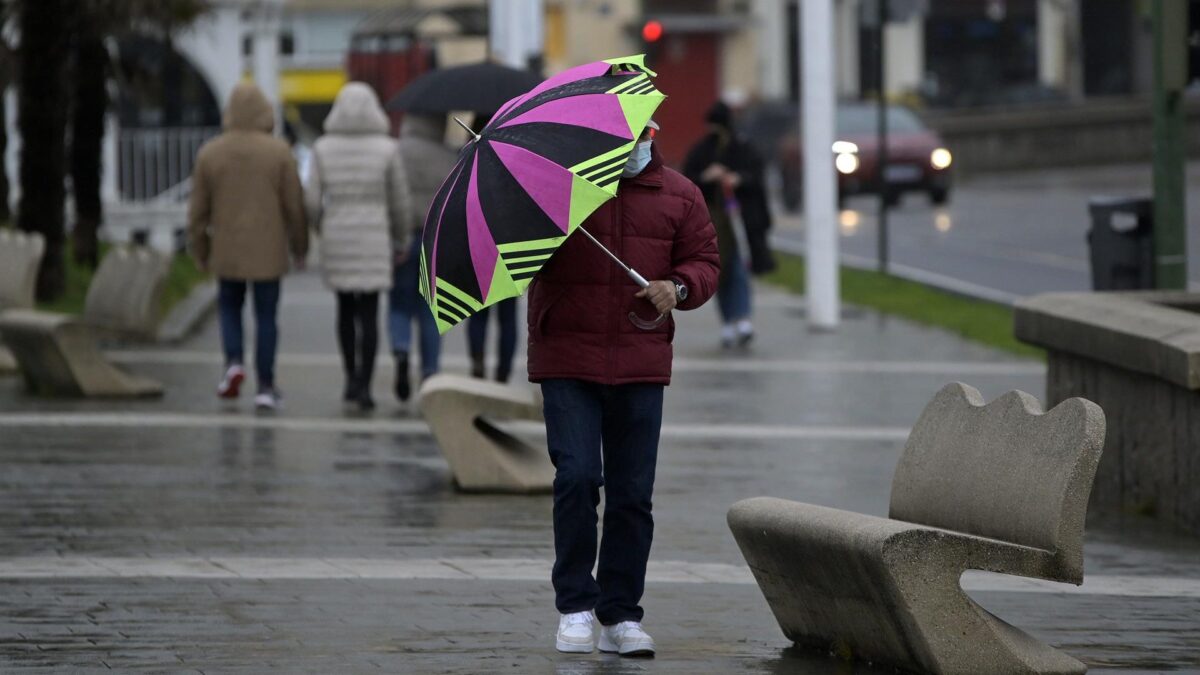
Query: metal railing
<point>156,164</point>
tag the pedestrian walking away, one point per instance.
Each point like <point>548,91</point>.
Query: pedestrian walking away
<point>358,200</point>
<point>730,174</point>
<point>245,214</point>
<point>602,381</point>
<point>427,162</point>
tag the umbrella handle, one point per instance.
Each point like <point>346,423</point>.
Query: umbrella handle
<point>634,318</point>
<point>647,325</point>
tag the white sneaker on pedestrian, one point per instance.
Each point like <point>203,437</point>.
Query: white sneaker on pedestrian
<point>576,633</point>
<point>745,332</point>
<point>728,336</point>
<point>231,384</point>
<point>268,400</point>
<point>627,639</point>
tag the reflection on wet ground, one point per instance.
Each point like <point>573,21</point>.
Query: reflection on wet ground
<point>131,495</point>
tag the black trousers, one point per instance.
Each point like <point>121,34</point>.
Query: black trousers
<point>358,335</point>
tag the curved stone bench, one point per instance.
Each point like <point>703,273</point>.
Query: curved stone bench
<point>461,412</point>
<point>999,488</point>
<point>20,257</point>
<point>59,355</point>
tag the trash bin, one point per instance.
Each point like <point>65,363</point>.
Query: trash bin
<point>1122,243</point>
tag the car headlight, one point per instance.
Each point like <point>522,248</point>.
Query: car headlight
<point>940,159</point>
<point>846,163</point>
<point>844,147</point>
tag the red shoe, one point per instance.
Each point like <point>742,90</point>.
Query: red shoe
<point>231,384</point>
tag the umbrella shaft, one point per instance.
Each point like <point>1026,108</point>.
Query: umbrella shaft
<point>637,278</point>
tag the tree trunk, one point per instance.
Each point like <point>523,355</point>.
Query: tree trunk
<point>5,214</point>
<point>42,120</point>
<point>87,138</point>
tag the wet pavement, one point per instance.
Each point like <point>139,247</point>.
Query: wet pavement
<point>1007,235</point>
<point>187,534</point>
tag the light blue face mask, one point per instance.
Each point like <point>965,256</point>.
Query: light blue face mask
<point>638,160</point>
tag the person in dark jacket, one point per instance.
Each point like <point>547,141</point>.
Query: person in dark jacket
<point>602,379</point>
<point>730,173</point>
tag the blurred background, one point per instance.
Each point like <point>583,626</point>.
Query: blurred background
<point>1006,117</point>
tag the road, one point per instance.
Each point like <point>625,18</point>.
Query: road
<point>1001,236</point>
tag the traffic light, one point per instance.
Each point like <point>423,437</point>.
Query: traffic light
<point>652,31</point>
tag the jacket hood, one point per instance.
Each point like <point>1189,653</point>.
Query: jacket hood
<point>248,110</point>
<point>356,110</point>
<point>429,127</point>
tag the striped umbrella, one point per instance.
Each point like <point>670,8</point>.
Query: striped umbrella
<point>521,186</point>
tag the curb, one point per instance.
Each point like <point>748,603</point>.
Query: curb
<point>932,279</point>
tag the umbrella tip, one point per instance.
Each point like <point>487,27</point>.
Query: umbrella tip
<point>469,129</point>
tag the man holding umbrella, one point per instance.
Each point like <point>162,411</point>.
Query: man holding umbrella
<point>602,379</point>
<point>563,194</point>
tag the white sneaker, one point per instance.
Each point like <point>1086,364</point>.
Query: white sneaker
<point>728,336</point>
<point>231,384</point>
<point>268,400</point>
<point>745,332</point>
<point>575,633</point>
<point>627,639</point>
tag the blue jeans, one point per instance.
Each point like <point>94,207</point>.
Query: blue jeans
<point>506,311</point>
<point>406,305</point>
<point>733,291</point>
<point>602,436</point>
<point>231,296</point>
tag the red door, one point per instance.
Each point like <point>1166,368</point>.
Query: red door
<point>687,69</point>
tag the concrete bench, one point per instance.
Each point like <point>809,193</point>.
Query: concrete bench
<point>999,488</point>
<point>59,355</point>
<point>20,257</point>
<point>462,412</point>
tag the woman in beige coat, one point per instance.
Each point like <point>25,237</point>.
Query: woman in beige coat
<point>358,200</point>
<point>246,213</point>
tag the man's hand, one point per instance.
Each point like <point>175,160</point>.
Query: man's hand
<point>661,294</point>
<point>300,263</point>
<point>400,258</point>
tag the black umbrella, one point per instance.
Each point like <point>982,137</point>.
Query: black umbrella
<point>479,87</point>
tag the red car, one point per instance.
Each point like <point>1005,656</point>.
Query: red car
<point>918,160</point>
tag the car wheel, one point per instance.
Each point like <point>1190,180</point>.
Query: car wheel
<point>939,196</point>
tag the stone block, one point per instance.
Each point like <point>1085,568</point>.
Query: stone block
<point>1138,356</point>
<point>1000,488</point>
<point>462,412</point>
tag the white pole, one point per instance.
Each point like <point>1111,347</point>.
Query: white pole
<point>497,30</point>
<point>266,27</point>
<point>817,129</point>
<point>535,32</point>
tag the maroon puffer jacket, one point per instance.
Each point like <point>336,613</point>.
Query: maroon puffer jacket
<point>579,303</point>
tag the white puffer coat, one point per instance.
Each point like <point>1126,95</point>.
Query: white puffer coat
<point>358,195</point>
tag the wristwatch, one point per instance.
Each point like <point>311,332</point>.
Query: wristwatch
<point>680,292</point>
